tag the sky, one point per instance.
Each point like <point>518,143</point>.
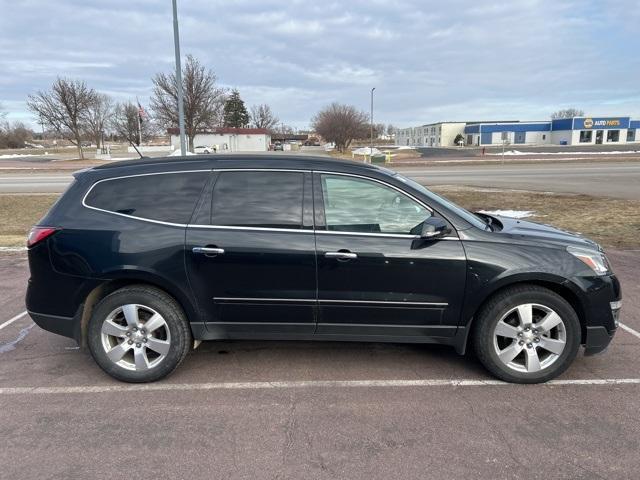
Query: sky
<point>429,60</point>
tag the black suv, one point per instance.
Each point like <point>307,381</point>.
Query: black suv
<point>139,260</point>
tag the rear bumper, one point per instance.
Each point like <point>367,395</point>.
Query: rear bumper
<point>65,326</point>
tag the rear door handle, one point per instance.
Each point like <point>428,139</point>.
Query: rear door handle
<point>341,255</point>
<point>208,250</point>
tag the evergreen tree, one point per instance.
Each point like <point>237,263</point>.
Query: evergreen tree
<point>235,113</point>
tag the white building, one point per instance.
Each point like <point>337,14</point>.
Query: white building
<point>442,134</point>
<point>565,131</point>
<point>229,139</point>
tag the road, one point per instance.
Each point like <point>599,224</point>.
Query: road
<point>313,410</point>
<point>34,183</point>
<point>619,180</point>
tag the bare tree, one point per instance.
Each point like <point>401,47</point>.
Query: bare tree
<point>64,108</point>
<point>341,124</point>
<point>14,135</point>
<point>203,99</point>
<point>567,113</point>
<point>284,129</point>
<point>98,116</point>
<point>262,117</point>
<point>125,123</point>
<point>2,112</point>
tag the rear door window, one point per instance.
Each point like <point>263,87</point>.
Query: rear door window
<point>167,197</point>
<point>258,199</point>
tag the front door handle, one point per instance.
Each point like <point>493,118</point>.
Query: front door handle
<point>208,250</point>
<point>341,255</point>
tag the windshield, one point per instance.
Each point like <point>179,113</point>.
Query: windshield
<point>461,212</point>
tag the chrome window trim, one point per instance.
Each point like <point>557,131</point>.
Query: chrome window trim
<point>368,234</point>
<point>252,299</point>
<point>294,170</point>
<point>330,301</point>
<point>261,229</point>
<point>385,302</point>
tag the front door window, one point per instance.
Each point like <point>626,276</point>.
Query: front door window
<point>364,206</point>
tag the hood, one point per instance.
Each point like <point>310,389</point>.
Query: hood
<point>539,232</point>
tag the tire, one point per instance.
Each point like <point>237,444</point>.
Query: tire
<point>507,339</point>
<point>123,348</point>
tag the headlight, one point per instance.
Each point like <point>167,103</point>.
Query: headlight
<point>593,259</point>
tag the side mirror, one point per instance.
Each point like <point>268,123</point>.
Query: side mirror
<point>434,227</point>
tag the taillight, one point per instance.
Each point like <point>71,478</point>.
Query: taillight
<point>38,234</point>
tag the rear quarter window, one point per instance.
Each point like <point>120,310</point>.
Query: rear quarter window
<point>166,197</point>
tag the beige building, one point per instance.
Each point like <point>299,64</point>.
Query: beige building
<point>229,139</point>
<point>440,134</point>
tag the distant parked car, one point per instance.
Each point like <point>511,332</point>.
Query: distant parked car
<point>85,144</point>
<point>203,149</point>
<point>278,146</point>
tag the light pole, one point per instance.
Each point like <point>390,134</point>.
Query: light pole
<point>371,146</point>
<point>176,41</point>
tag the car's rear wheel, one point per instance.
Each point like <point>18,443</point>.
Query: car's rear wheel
<point>527,334</point>
<point>138,334</point>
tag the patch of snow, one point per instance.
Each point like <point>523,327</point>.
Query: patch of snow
<point>612,152</point>
<point>508,213</point>
<point>177,153</point>
<point>366,151</point>
<point>405,147</point>
<point>13,249</point>
<point>17,155</point>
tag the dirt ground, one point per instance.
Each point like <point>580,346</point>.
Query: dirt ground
<point>18,213</point>
<point>614,223</point>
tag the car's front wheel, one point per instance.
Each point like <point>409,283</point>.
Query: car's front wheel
<point>138,334</point>
<point>527,334</point>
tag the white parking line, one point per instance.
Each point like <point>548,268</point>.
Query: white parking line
<point>629,330</point>
<point>155,387</point>
<point>11,320</point>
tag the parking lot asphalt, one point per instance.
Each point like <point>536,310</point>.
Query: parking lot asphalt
<point>313,410</point>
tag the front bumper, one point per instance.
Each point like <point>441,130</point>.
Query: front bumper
<point>599,337</point>
<point>597,340</point>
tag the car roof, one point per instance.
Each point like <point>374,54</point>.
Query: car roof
<point>242,161</point>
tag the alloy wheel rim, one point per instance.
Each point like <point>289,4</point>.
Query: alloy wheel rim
<point>135,337</point>
<point>529,338</point>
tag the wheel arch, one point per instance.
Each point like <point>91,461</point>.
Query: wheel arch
<point>559,285</point>
<point>125,279</point>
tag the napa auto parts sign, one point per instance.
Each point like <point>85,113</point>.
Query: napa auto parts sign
<point>600,123</point>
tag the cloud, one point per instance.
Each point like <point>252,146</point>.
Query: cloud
<point>429,61</point>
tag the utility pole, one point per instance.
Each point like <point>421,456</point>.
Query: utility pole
<point>371,146</point>
<point>176,40</point>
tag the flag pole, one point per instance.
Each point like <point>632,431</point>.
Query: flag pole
<point>139,122</point>
<point>176,40</point>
